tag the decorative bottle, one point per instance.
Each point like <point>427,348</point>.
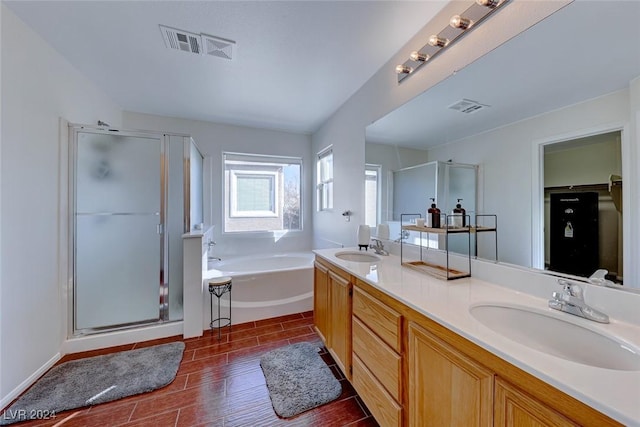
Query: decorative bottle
<point>433,215</point>
<point>460,215</point>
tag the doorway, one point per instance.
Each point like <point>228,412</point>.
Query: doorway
<point>582,205</point>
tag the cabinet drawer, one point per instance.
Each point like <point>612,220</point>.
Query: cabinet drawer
<point>384,408</point>
<point>378,357</point>
<point>381,319</point>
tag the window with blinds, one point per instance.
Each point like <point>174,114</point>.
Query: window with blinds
<point>262,193</point>
<point>324,182</point>
<point>372,195</point>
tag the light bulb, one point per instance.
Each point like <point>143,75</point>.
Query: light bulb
<point>488,3</point>
<point>403,69</point>
<point>418,57</point>
<point>458,21</point>
<point>437,41</point>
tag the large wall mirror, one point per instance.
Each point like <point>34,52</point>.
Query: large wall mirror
<point>553,114</point>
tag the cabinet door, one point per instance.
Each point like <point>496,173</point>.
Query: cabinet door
<point>514,407</point>
<point>446,388</point>
<point>321,300</point>
<point>340,321</point>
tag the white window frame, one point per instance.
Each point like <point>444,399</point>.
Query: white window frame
<point>227,209</point>
<point>234,212</point>
<point>378,170</point>
<point>324,203</point>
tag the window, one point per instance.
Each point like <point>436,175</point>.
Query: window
<point>371,192</point>
<point>261,193</point>
<point>325,180</point>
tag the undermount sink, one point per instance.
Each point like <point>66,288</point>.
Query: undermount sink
<point>357,256</point>
<point>543,332</point>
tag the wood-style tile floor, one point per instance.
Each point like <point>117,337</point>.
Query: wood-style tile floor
<point>220,383</point>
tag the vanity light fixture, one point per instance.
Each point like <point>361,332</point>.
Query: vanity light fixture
<point>403,69</point>
<point>491,4</point>
<point>436,41</point>
<point>458,26</point>
<point>418,57</point>
<point>458,21</point>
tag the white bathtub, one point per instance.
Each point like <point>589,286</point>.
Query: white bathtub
<point>263,286</point>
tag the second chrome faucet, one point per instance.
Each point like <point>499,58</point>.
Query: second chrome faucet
<point>571,300</point>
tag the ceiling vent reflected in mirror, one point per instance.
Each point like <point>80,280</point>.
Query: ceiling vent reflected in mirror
<point>467,106</point>
<point>181,40</point>
<point>200,44</point>
<point>215,46</point>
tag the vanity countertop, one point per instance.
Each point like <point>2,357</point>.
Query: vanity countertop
<point>612,392</point>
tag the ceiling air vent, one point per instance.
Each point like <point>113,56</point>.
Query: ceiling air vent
<point>200,44</point>
<point>181,40</point>
<point>215,46</point>
<point>467,106</point>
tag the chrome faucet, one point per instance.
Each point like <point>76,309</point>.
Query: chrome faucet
<point>571,300</point>
<point>378,247</point>
<point>599,277</point>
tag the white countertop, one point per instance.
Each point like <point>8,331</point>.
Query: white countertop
<point>614,393</point>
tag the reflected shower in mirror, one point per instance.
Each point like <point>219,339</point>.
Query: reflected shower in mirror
<point>558,81</point>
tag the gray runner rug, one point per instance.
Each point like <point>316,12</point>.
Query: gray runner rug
<point>298,379</point>
<point>99,379</point>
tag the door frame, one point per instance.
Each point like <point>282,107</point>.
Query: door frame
<point>537,191</point>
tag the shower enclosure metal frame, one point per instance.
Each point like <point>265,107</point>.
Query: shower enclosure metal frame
<point>163,274</point>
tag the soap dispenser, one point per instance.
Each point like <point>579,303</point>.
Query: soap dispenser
<point>433,215</point>
<point>460,215</point>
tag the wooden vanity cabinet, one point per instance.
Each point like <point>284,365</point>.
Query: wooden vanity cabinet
<point>340,321</point>
<point>446,387</point>
<point>514,407</point>
<point>377,360</point>
<point>332,316</point>
<point>412,371</point>
<point>321,300</point>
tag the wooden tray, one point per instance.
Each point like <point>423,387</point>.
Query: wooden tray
<point>436,270</point>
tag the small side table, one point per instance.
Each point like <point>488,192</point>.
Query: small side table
<point>218,287</point>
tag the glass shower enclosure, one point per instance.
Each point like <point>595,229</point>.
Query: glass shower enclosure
<point>127,205</point>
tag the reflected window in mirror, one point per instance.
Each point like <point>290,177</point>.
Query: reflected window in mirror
<point>372,194</point>
<point>324,180</point>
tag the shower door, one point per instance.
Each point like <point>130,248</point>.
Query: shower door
<point>118,218</point>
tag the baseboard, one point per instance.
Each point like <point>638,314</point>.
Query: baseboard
<point>6,400</point>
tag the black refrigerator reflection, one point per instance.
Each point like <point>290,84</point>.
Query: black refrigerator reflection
<point>574,233</point>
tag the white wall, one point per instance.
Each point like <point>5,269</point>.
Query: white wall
<point>38,87</point>
<point>213,139</point>
<point>345,129</point>
<point>505,157</point>
<point>587,164</point>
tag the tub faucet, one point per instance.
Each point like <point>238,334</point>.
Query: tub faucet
<point>211,244</point>
<point>378,247</point>
<point>571,300</point>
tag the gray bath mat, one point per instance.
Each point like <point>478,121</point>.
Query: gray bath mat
<point>94,380</point>
<point>298,379</point>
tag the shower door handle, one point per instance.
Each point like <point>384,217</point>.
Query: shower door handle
<point>160,228</point>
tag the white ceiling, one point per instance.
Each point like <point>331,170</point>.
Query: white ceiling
<point>587,49</point>
<point>297,61</point>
